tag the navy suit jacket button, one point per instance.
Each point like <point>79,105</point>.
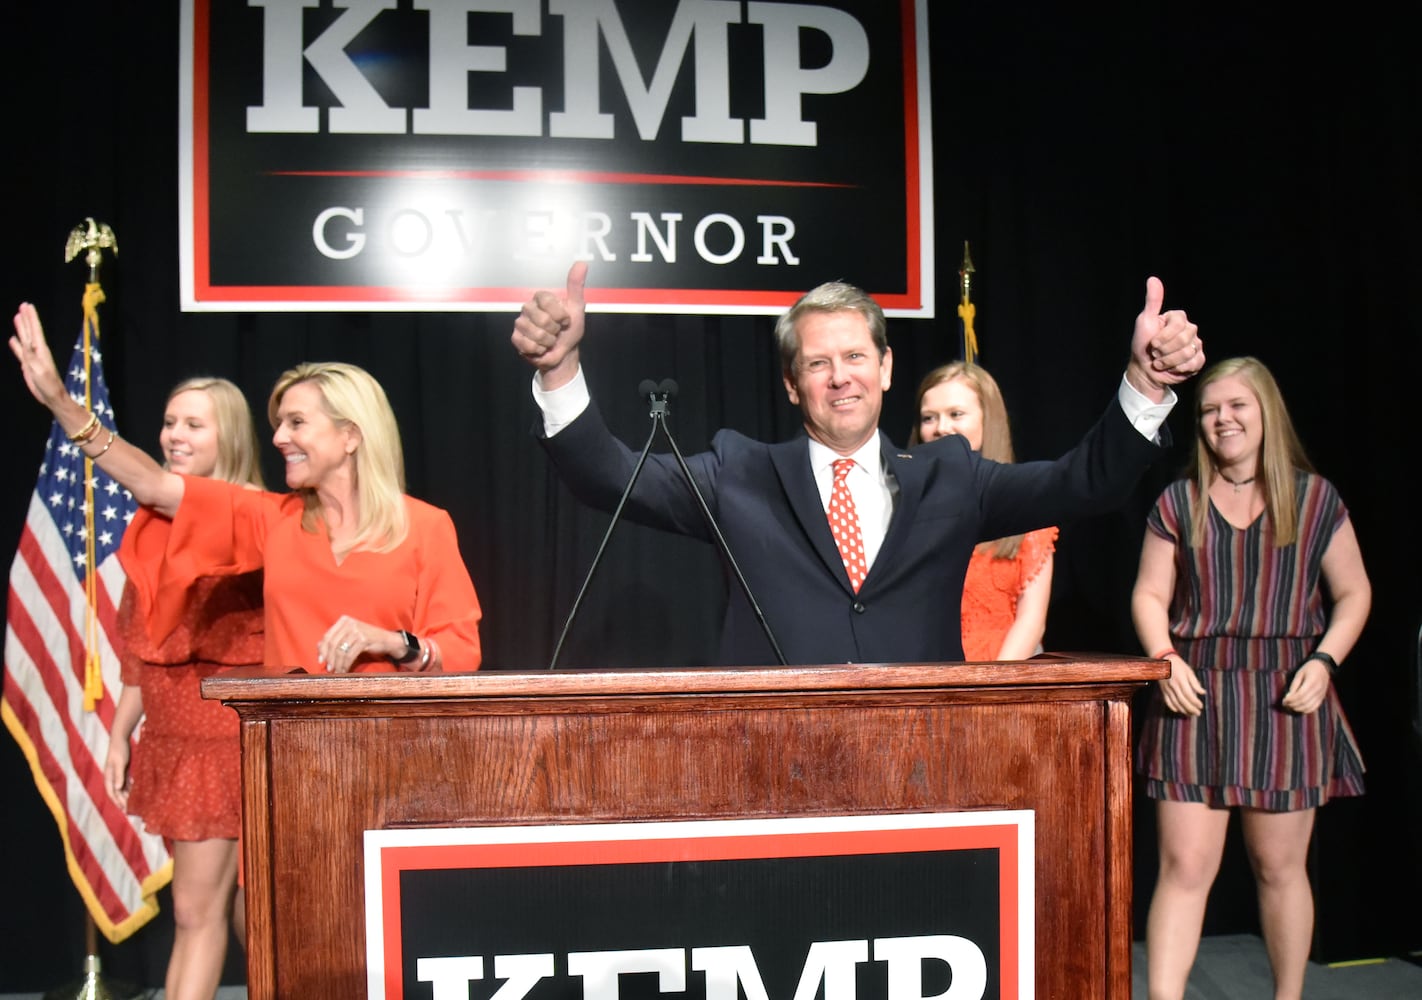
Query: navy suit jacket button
<point>859,607</point>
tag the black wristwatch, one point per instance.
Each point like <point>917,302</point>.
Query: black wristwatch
<point>412,647</point>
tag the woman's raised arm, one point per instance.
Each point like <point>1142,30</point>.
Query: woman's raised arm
<point>151,484</point>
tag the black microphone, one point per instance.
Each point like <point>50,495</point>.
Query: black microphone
<point>657,395</point>
<point>666,388</point>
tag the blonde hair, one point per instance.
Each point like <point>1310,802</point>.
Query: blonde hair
<point>237,460</point>
<point>351,395</point>
<point>997,432</point>
<point>1281,453</point>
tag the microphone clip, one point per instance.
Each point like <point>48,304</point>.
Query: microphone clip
<point>658,395</point>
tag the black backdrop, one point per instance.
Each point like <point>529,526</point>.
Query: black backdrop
<point>1268,172</point>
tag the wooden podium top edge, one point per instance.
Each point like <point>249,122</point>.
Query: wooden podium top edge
<point>1050,669</point>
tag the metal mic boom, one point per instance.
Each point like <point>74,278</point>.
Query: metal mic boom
<point>657,395</point>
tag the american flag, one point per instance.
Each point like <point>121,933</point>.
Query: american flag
<point>60,629</point>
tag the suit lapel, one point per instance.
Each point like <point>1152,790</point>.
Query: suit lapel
<point>792,464</point>
<point>912,477</point>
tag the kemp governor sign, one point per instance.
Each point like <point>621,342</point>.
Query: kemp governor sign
<point>706,156</point>
<point>924,906</point>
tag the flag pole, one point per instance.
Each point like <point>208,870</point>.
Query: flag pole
<point>94,986</point>
<point>92,239</point>
<point>967,312</point>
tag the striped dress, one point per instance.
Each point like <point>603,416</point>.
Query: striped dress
<point>1244,615</point>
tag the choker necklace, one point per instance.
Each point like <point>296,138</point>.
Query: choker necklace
<point>1237,484</point>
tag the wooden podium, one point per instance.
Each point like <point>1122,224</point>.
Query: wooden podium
<point>325,758</point>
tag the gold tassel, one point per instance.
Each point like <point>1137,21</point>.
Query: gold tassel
<point>93,663</point>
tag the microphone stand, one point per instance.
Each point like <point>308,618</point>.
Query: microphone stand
<point>669,388</point>
<point>657,397</point>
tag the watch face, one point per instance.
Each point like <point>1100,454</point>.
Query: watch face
<point>412,646</point>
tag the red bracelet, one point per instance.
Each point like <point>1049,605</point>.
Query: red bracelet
<point>1165,653</point>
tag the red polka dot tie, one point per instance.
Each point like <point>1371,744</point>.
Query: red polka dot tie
<point>844,525</point>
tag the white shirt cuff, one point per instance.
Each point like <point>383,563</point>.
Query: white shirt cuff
<point>563,405</point>
<point>1145,414</point>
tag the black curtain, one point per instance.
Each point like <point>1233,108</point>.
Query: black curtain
<point>1267,172</point>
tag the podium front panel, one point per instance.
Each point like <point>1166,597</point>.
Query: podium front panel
<point>327,758</point>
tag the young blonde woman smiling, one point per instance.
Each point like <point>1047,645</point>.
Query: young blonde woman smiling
<point>183,777</point>
<point>1008,585</point>
<point>1252,585</point>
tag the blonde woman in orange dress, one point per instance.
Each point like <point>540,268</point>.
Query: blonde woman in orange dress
<point>357,574</point>
<point>183,776</point>
<point>1009,581</point>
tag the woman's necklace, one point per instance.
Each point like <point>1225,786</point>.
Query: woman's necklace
<point>1237,484</point>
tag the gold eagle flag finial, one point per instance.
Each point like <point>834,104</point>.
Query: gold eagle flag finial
<point>92,239</point>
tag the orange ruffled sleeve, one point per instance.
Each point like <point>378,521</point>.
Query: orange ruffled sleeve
<point>1037,547</point>
<point>991,589</point>
<point>219,530</point>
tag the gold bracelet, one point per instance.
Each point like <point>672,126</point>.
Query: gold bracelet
<point>109,444</point>
<point>88,432</point>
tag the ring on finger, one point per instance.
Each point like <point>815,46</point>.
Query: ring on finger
<point>345,647</point>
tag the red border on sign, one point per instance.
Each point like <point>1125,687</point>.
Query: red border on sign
<point>205,293</point>
<point>615,850</point>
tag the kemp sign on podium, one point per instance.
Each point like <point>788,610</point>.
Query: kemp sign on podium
<point>706,156</point>
<point>902,907</point>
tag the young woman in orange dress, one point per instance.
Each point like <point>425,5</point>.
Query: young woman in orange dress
<point>182,776</point>
<point>1009,580</point>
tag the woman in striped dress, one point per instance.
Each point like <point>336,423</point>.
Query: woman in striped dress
<point>1252,585</point>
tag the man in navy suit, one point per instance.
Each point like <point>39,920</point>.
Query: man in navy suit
<point>919,512</point>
